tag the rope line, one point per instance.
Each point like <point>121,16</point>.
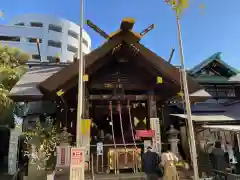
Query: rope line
<point>130,121</point>
<point>111,118</point>
<point>121,125</point>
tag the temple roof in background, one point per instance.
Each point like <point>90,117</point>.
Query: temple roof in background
<point>214,70</point>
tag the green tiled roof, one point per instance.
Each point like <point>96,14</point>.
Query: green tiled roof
<point>216,57</point>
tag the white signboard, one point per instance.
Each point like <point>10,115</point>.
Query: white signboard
<point>77,163</point>
<point>155,125</point>
<point>147,143</point>
<point>13,149</point>
<point>76,174</point>
<point>99,148</point>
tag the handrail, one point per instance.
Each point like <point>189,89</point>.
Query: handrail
<point>226,175</point>
<point>15,176</point>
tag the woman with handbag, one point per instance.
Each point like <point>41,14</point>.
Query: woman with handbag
<point>168,160</point>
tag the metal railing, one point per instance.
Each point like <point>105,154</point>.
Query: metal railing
<point>220,175</point>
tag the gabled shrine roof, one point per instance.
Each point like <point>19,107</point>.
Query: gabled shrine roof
<point>215,57</point>
<point>98,56</point>
<point>26,87</point>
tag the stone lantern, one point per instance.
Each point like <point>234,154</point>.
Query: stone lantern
<point>173,139</point>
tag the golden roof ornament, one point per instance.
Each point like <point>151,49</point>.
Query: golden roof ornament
<point>127,24</point>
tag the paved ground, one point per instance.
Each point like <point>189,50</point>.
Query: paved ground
<point>5,177</point>
<point>184,175</point>
<point>104,176</point>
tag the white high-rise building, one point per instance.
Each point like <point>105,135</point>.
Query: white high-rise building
<point>58,37</point>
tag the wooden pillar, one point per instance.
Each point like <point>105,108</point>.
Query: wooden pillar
<point>154,123</point>
<point>152,107</point>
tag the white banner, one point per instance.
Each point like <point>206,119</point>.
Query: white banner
<point>77,164</point>
<point>13,149</point>
<point>155,125</point>
<point>99,148</point>
<point>63,156</point>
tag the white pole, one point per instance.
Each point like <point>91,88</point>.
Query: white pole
<point>187,104</point>
<point>80,81</point>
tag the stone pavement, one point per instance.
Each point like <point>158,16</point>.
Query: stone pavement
<point>184,175</point>
<point>129,176</point>
<point>5,177</point>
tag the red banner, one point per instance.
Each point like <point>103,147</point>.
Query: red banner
<point>145,133</point>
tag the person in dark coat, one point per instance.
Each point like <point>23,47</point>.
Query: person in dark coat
<point>151,164</point>
<point>237,155</point>
<point>218,158</point>
<point>204,161</point>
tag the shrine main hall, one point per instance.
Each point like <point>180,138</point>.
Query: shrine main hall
<point>126,88</point>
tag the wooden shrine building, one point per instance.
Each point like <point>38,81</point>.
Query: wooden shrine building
<point>122,76</point>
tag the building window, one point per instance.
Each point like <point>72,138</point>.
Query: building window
<point>71,48</point>
<point>85,42</point>
<point>54,44</point>
<point>36,56</point>
<point>54,28</point>
<point>36,24</point>
<point>51,59</point>
<point>33,40</point>
<point>10,38</point>
<point>19,24</point>
<point>73,34</point>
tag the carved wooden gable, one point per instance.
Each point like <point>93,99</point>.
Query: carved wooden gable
<point>215,69</point>
<point>122,74</point>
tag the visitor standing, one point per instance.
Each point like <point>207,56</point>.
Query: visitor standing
<point>151,164</point>
<point>168,160</point>
<point>218,155</point>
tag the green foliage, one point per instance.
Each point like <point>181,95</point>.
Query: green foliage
<point>12,67</point>
<point>41,143</point>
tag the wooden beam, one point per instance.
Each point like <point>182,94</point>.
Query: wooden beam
<point>127,97</point>
<point>126,87</point>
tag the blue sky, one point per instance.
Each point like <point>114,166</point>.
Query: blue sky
<point>216,30</point>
